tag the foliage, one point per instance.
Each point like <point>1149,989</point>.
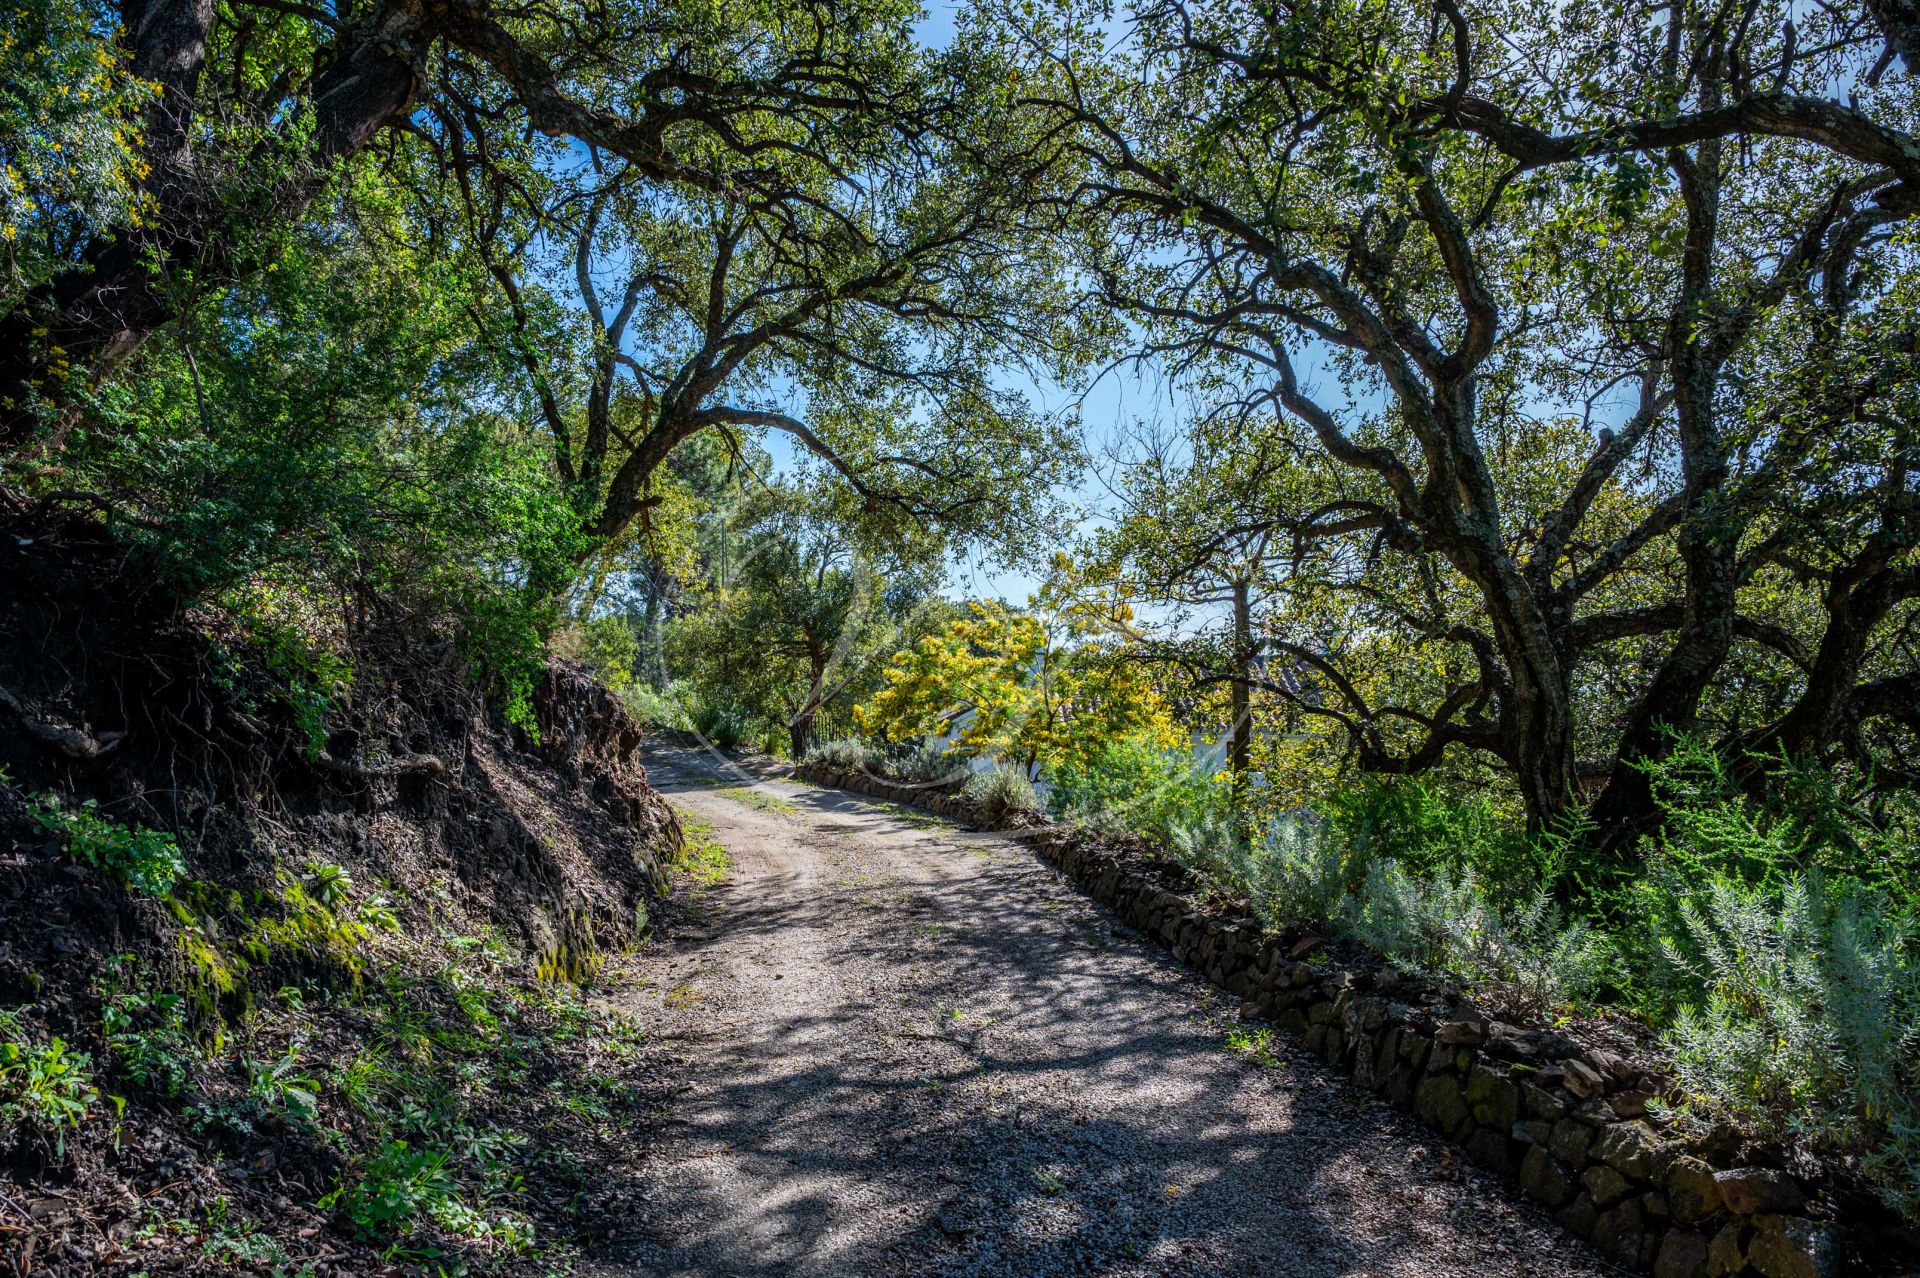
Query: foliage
<point>923,765</point>
<point>796,615</point>
<point>1044,687</point>
<point>664,708</point>
<point>70,166</point>
<point>144,860</point>
<point>845,754</point>
<point>1155,793</point>
<point>1476,394</point>
<point>146,1031</point>
<point>1798,1012</point>
<point>43,1084</point>
<point>606,645</point>
<point>1786,991</point>
<point>725,726</point>
<point>1003,793</point>
<point>402,1189</point>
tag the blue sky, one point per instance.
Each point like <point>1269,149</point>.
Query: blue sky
<point>1104,407</point>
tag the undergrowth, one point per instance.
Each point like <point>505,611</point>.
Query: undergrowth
<point>1773,946</point>
<point>432,1080</point>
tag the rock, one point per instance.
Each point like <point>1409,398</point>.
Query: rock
<point>1365,1015</point>
<point>1582,1079</point>
<point>1631,1104</point>
<point>1363,1064</point>
<point>1631,1148</point>
<point>1386,1056</point>
<point>1682,1255</point>
<point>1397,1086</point>
<point>1544,1180</point>
<point>1595,1113</point>
<point>1748,1190</point>
<point>1461,1033</point>
<point>1794,1247</point>
<point>1606,1185</point>
<point>1692,1190</point>
<point>1542,1103</point>
<point>1570,1141</point>
<point>1610,1064</point>
<point>1303,947</point>
<point>1320,1014</point>
<point>1438,1103</point>
<point>1495,1101</point>
<point>1617,1234</point>
<point>1532,1131</point>
<point>1578,1216</point>
<point>1488,1148</point>
<point>1510,1043</point>
<point>1724,1253</point>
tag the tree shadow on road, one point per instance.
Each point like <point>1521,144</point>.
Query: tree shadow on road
<point>1009,1081</point>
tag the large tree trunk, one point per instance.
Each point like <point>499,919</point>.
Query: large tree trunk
<point>800,727</point>
<point>1709,538</point>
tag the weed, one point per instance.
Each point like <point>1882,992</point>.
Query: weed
<point>145,860</point>
<point>286,1093</point>
<point>1003,793</point>
<point>401,1189</point>
<point>239,1242</point>
<point>43,1085</point>
<point>755,797</point>
<point>1257,1045</point>
<point>146,1032</point>
<point>702,856</point>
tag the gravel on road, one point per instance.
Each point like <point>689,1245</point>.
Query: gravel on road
<point>898,1047</point>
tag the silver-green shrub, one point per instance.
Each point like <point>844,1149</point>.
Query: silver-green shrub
<point>846,754</point>
<point>1798,1015</point>
<point>1003,792</point>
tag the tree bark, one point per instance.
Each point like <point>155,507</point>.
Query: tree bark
<point>96,314</point>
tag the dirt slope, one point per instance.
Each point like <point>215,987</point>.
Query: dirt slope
<point>903,1049</point>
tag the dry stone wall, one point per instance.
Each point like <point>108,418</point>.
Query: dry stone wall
<point>1568,1124</point>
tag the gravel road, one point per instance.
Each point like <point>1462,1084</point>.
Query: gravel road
<point>900,1048</point>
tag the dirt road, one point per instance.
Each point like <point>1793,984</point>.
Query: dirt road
<point>905,1049</point>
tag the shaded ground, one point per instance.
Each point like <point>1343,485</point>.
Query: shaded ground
<point>905,1049</point>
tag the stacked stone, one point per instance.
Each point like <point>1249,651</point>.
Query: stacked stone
<point>1569,1124</point>
<point>942,799</point>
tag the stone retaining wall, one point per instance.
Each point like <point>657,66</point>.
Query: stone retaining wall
<point>1568,1124</point>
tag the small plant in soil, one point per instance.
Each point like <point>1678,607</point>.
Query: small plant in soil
<point>144,860</point>
<point>44,1086</point>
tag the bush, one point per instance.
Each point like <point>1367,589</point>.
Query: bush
<point>1296,876</point>
<point>1003,793</point>
<point>725,726</point>
<point>846,755</point>
<point>1795,1010</point>
<point>606,645</point>
<point>145,860</point>
<point>1430,828</point>
<point>925,765</point>
<point>1450,926</point>
<point>660,709</point>
<point>1150,792</point>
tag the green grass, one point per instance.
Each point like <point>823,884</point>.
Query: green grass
<point>755,797</point>
<point>1257,1045</point>
<point>703,858</point>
